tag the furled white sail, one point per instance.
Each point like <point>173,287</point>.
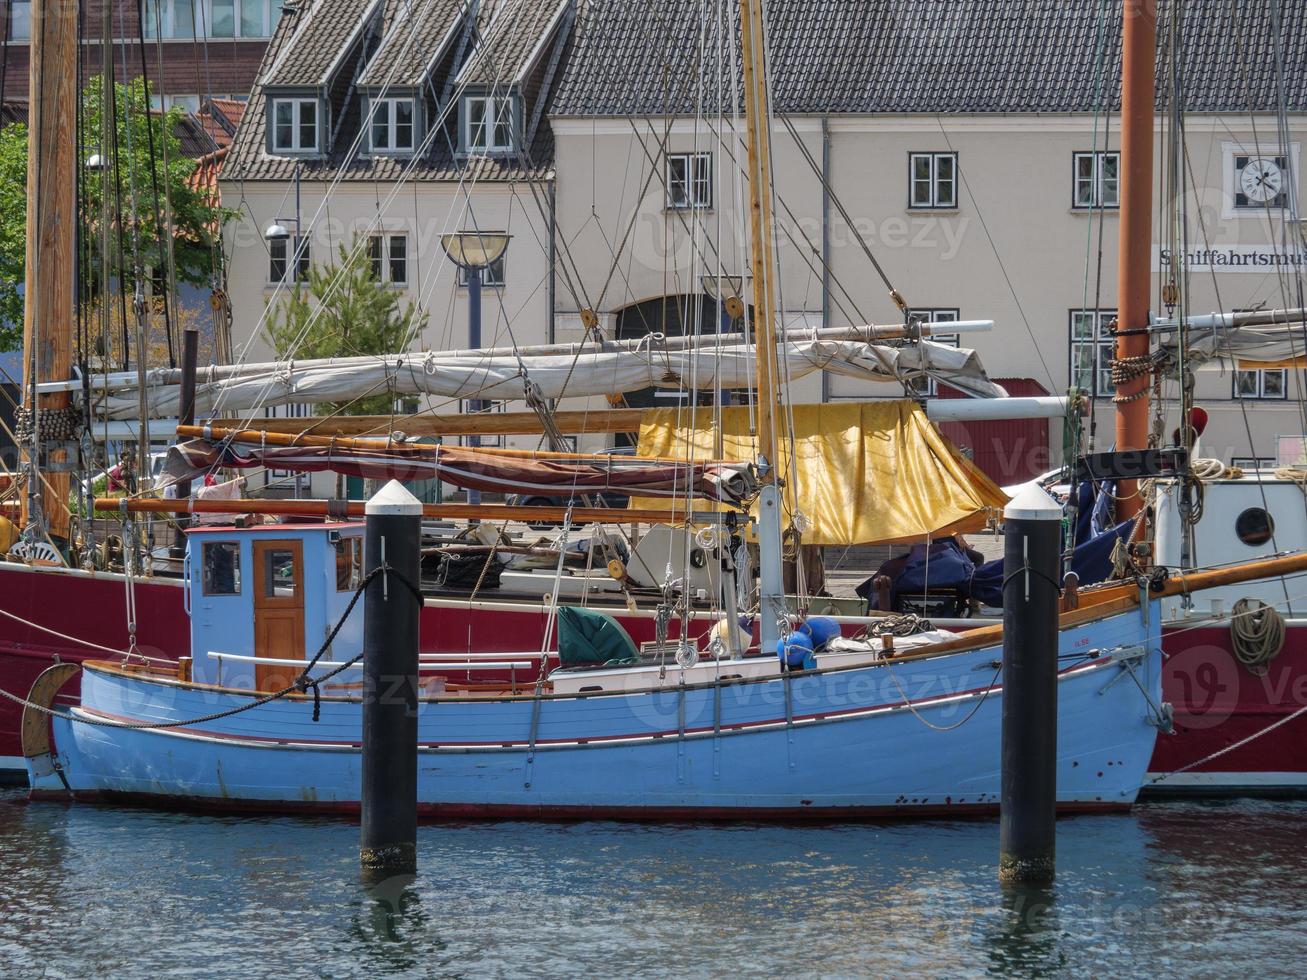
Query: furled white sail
<point>498,375</point>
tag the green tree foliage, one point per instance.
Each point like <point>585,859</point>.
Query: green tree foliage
<point>343,311</point>
<point>196,221</point>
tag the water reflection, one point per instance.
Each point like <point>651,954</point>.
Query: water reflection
<point>131,893</point>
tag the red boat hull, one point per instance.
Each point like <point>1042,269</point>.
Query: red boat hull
<point>1218,703</point>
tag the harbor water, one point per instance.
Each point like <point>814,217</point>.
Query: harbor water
<point>1186,889</point>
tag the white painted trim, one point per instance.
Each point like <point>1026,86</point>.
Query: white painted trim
<point>12,763</point>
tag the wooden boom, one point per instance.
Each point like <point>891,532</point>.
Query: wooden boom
<point>491,513</point>
<point>570,423</point>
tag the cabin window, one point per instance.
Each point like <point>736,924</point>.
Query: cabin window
<point>1254,527</point>
<point>349,564</point>
<point>222,568</point>
<point>279,573</point>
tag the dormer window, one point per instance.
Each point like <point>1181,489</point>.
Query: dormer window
<point>392,128</point>
<point>294,125</point>
<point>488,123</point>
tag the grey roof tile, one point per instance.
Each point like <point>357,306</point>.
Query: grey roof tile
<point>321,33</point>
<point>925,56</point>
<point>415,33</point>
<point>510,35</point>
<point>249,159</point>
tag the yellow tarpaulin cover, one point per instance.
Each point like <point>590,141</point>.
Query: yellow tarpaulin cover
<point>868,473</point>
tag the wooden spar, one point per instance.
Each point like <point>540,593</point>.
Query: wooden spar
<point>1134,269</point>
<point>481,423</point>
<point>260,438</point>
<point>865,334</point>
<point>51,232</point>
<point>758,117</point>
<point>336,509</point>
<point>1181,583</point>
<point>582,422</point>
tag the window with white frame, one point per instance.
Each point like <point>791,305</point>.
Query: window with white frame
<point>210,18</point>
<point>20,20</point>
<point>294,125</point>
<point>491,275</point>
<point>927,387</point>
<point>282,252</point>
<point>388,256</point>
<point>932,180</point>
<point>392,129</point>
<point>1092,350</point>
<point>188,103</point>
<point>1097,179</point>
<point>689,180</point>
<point>488,123</point>
<point>291,479</point>
<point>1261,383</point>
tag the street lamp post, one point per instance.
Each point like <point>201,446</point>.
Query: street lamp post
<point>473,252</point>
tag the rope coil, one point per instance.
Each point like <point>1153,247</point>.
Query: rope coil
<point>1257,634</point>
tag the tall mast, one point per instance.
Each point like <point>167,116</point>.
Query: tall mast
<point>771,591</point>
<point>756,112</point>
<point>1134,277</point>
<point>51,236</point>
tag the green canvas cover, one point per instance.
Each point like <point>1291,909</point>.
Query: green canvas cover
<point>588,638</point>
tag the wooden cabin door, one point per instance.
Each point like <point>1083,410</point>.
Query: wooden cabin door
<point>278,611</point>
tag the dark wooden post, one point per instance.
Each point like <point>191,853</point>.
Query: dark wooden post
<point>388,843</point>
<point>186,416</point>
<point>1028,805</point>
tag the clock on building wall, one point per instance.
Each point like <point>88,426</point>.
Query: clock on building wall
<point>1259,182</point>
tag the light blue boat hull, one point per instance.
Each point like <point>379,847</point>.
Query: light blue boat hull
<point>819,745</point>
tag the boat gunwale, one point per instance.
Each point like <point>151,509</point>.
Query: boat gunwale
<point>968,642</point>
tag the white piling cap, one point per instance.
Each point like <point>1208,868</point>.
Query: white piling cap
<point>1032,503</point>
<point>394,500</point>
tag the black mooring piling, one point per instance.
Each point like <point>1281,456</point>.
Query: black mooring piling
<point>1028,806</point>
<point>388,842</point>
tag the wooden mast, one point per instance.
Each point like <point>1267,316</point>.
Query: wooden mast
<point>757,115</point>
<point>772,612</point>
<point>1134,276</point>
<point>51,233</point>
